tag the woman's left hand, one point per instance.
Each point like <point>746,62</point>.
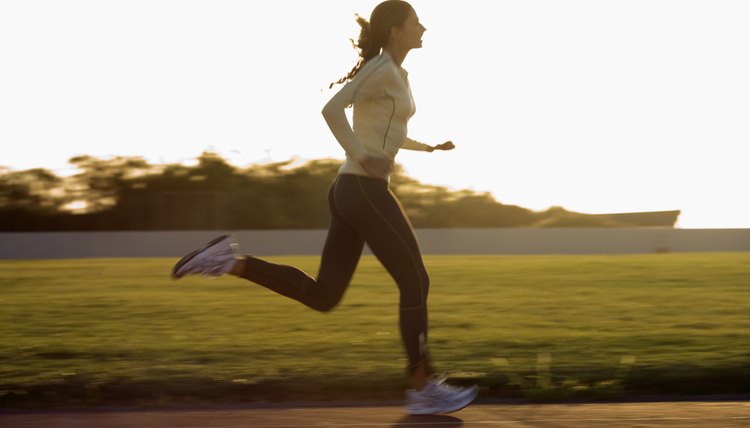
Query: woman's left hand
<point>448,145</point>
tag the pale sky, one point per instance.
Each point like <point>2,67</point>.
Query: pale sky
<point>598,106</point>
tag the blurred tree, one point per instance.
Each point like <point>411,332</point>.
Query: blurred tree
<point>38,190</point>
<point>101,181</point>
<point>26,196</point>
<point>127,193</point>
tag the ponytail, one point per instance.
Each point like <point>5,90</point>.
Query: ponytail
<point>367,47</point>
<point>374,35</point>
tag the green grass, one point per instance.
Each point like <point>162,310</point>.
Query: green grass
<point>119,331</point>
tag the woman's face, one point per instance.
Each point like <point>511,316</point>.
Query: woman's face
<point>410,34</point>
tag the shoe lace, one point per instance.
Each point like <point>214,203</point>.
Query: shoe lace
<point>214,263</point>
<point>450,388</point>
<point>444,389</point>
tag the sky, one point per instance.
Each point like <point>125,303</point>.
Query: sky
<point>598,106</point>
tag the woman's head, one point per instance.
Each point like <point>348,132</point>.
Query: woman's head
<point>392,21</point>
<point>387,24</point>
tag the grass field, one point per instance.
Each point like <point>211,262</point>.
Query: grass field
<point>119,331</point>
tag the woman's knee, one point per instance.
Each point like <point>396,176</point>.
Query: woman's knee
<point>326,303</point>
<point>413,284</point>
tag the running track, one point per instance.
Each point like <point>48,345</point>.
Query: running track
<point>663,414</point>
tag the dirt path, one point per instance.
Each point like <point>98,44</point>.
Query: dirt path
<point>664,414</point>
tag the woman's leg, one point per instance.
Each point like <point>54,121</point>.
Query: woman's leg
<point>373,210</point>
<point>341,253</point>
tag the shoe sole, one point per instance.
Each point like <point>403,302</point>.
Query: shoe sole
<point>443,412</point>
<point>183,261</point>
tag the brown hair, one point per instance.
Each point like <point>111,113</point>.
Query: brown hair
<point>374,35</point>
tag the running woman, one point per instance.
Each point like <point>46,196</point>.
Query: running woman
<point>363,209</point>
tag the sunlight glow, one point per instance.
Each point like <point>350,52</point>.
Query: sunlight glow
<point>76,207</point>
<point>599,107</point>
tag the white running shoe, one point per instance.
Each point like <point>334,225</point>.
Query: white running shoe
<point>438,397</point>
<point>214,259</point>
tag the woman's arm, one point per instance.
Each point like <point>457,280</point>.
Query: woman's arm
<point>369,81</point>
<point>410,144</point>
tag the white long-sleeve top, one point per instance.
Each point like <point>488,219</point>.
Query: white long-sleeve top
<point>383,103</point>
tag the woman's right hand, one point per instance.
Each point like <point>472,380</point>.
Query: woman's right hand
<point>379,167</point>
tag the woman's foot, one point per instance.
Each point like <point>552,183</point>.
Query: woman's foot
<point>438,397</point>
<point>214,259</point>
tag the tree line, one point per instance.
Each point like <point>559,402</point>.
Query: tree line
<point>128,193</point>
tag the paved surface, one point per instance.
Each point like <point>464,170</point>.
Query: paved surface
<point>672,414</point>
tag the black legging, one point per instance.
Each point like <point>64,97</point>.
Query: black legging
<point>363,209</point>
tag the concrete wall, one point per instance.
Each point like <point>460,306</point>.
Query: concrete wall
<point>432,241</point>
